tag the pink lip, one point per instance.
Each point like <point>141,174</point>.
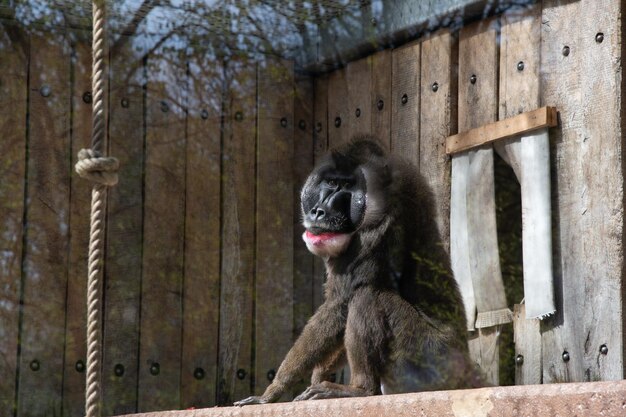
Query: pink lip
<point>321,238</point>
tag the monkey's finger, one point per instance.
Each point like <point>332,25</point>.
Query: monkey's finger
<point>249,400</point>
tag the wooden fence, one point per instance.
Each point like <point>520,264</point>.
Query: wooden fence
<point>207,281</point>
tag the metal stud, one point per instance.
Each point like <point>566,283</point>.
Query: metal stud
<point>519,360</point>
<point>435,87</point>
<point>565,356</point>
<point>198,373</point>
<point>45,91</point>
<point>271,374</point>
<point>283,122</point>
<point>357,112</point>
<point>80,366</point>
<point>87,97</point>
<point>404,99</point>
<point>155,368</point>
<point>241,374</point>
<point>473,79</point>
<point>565,50</point>
<point>204,114</point>
<point>380,104</point>
<point>318,127</point>
<point>118,370</point>
<point>239,116</point>
<point>35,365</point>
<point>165,107</point>
<point>520,66</point>
<point>302,125</point>
<point>604,349</point>
<point>337,121</point>
<point>599,37</point>
<point>125,103</point>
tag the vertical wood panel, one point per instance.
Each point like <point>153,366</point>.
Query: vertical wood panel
<point>76,321</point>
<point>124,234</point>
<point>405,109</point>
<point>528,345</point>
<point>381,96</point>
<point>202,239</point>
<point>359,76</point>
<point>438,121</point>
<point>42,334</point>
<point>274,230</point>
<point>238,199</point>
<point>161,301</point>
<point>13,96</point>
<point>339,113</point>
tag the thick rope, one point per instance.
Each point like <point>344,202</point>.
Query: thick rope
<point>103,172</point>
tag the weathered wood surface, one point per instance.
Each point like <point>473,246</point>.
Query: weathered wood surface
<point>201,288</point>
<point>42,335</point>
<point>274,180</point>
<point>13,95</point>
<point>163,237</point>
<point>359,78</point>
<point>237,270</point>
<point>405,103</point>
<point>339,112</point>
<point>585,85</point>
<point>124,243</point>
<point>381,96</point>
<point>527,347</point>
<point>76,304</point>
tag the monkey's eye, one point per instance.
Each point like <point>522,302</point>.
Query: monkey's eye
<point>332,183</point>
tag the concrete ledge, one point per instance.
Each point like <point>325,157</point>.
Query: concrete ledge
<point>587,399</point>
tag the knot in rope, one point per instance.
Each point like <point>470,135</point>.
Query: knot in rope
<point>99,169</point>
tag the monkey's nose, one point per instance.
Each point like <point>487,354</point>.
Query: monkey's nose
<point>317,213</point>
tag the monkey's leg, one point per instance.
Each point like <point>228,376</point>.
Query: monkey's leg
<point>321,336</point>
<point>366,341</point>
<point>325,370</point>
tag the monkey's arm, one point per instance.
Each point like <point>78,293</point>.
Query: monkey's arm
<point>321,337</point>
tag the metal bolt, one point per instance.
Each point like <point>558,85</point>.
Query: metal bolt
<point>520,66</point>
<point>271,374</point>
<point>239,116</point>
<point>435,87</point>
<point>198,373</point>
<point>155,368</point>
<point>473,79</point>
<point>519,360</point>
<point>80,366</point>
<point>337,121</point>
<point>283,122</point>
<point>302,124</point>
<point>404,99</point>
<point>118,370</point>
<point>599,37</point>
<point>357,112</point>
<point>125,103</point>
<point>45,91</point>
<point>204,114</point>
<point>87,97</point>
<point>35,365</point>
<point>380,104</point>
<point>565,356</point>
<point>241,374</point>
<point>565,50</point>
<point>604,349</point>
<point>318,127</point>
<point>164,107</point>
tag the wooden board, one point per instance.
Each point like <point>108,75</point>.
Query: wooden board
<point>381,96</point>
<point>274,227</point>
<point>163,232</point>
<point>478,106</point>
<point>124,244</point>
<point>80,211</point>
<point>13,96</point>
<point>527,347</point>
<point>339,113</point>
<point>42,335</point>
<point>359,75</point>
<point>238,199</point>
<point>587,156</point>
<point>201,292</point>
<point>405,102</point>
<point>438,120</point>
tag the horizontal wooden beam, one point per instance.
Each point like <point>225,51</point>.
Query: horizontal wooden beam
<point>513,126</point>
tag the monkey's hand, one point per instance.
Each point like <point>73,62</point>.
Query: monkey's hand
<point>271,395</point>
<point>328,389</point>
<point>251,400</point>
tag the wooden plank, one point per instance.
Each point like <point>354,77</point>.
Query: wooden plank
<point>237,272</point>
<point>405,104</point>
<point>478,69</point>
<point>339,113</point>
<point>589,271</point>
<point>124,230</point>
<point>80,210</point>
<point>524,123</point>
<point>13,96</point>
<point>320,148</point>
<point>163,231</point>
<point>527,347</point>
<point>42,335</point>
<point>359,76</point>
<point>202,241</point>
<point>274,228</point>
<point>381,96</point>
<point>438,120</point>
